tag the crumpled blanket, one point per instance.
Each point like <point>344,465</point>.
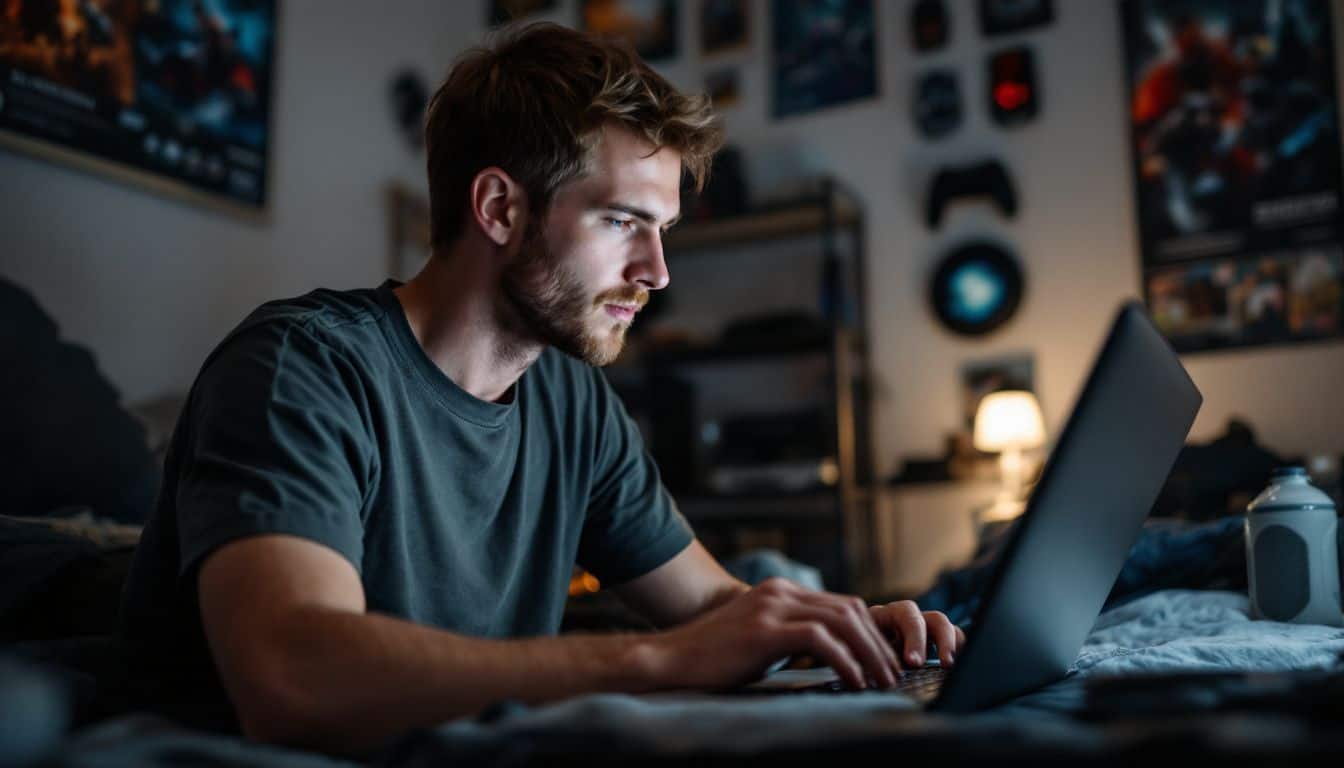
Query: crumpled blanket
<point>1202,631</point>
<point>1202,625</point>
<point>1166,631</point>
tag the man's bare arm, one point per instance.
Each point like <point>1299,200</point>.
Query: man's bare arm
<point>684,587</point>
<point>306,665</point>
<point>694,583</point>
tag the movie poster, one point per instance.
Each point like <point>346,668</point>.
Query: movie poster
<point>178,90</point>
<point>1234,134</point>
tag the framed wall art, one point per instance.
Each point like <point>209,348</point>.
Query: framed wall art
<point>174,96</point>
<point>1234,135</point>
<point>650,26</point>
<point>822,54</point>
<point>724,25</point>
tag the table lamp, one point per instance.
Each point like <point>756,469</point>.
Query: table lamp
<point>1008,422</point>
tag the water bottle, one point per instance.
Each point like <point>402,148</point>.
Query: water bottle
<point>1292,559</point>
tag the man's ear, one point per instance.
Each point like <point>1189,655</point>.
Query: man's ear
<point>498,205</point>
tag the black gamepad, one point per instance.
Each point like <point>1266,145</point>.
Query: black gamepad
<point>985,179</point>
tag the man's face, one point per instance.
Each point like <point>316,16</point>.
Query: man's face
<point>584,271</point>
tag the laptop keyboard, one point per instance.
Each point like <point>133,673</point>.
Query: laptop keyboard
<point>920,683</point>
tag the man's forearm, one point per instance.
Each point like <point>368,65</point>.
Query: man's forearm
<point>688,586</point>
<point>348,682</point>
<point>729,591</point>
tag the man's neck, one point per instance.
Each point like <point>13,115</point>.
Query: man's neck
<point>450,306</point>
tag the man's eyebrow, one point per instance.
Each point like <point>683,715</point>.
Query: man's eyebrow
<point>641,214</point>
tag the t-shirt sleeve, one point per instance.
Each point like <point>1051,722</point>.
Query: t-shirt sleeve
<point>276,444</point>
<point>633,525</point>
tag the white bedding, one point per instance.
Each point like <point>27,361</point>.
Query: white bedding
<point>1202,631</point>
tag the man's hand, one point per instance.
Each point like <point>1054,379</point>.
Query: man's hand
<point>736,642</point>
<point>911,630</point>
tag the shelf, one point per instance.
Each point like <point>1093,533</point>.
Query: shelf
<point>829,523</point>
<point>774,224</point>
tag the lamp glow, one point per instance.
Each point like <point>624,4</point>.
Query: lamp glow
<point>1009,422</point>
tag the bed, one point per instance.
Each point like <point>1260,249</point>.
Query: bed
<point>1173,667</point>
<point>1167,668</point>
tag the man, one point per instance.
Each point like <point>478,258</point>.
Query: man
<point>375,498</point>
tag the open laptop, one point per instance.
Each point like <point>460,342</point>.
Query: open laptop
<point>1064,555</point>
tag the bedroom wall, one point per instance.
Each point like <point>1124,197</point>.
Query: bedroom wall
<point>1076,234</point>
<point>1075,231</point>
<point>150,283</point>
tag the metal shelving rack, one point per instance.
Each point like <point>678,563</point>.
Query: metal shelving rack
<point>844,509</point>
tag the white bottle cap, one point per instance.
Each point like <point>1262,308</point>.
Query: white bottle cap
<point>1290,488</point>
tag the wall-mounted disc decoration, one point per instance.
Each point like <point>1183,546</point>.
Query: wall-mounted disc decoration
<point>976,288</point>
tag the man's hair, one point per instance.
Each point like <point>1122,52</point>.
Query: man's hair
<point>534,103</point>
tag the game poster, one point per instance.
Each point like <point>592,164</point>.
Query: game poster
<point>1234,133</point>
<point>823,54</point>
<point>650,26</point>
<point>177,91</point>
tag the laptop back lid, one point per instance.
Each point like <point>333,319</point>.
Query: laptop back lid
<point>1099,484</point>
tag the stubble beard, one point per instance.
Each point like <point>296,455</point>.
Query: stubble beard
<point>554,307</point>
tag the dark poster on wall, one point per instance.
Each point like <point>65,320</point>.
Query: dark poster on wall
<point>175,95</point>
<point>823,54</point>
<point>1234,135</point>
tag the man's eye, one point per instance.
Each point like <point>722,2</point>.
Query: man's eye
<point>621,225</point>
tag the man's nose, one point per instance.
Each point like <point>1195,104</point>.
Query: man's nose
<point>649,268</point>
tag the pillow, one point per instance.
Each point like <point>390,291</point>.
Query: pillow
<point>67,440</point>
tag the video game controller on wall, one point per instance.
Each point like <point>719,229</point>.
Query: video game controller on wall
<point>983,179</point>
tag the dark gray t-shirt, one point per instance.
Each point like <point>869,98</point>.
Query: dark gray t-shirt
<point>322,417</point>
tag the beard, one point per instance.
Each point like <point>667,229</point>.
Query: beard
<point>556,308</point>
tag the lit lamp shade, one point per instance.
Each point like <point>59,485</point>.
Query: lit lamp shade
<point>1008,419</point>
<point>1008,423</point>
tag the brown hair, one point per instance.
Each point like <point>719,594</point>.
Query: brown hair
<point>534,103</point>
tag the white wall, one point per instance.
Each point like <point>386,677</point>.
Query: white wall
<point>151,283</point>
<point>1075,231</point>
